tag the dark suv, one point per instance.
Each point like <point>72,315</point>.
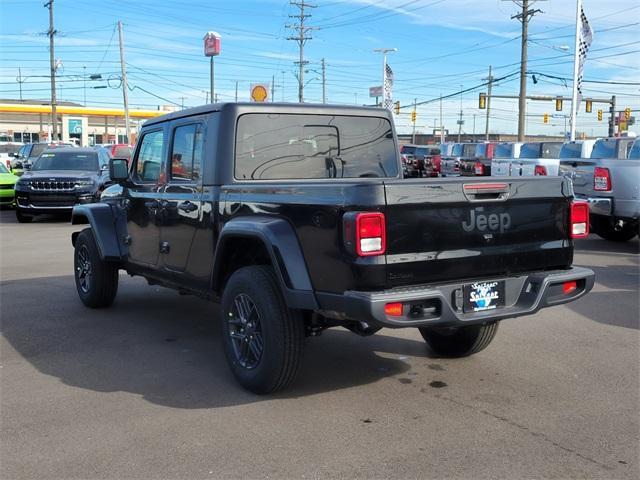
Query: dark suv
<point>59,179</point>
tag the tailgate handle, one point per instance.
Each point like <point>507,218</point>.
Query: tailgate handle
<point>478,192</point>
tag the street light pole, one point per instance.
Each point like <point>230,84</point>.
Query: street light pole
<point>52,63</point>
<point>386,102</point>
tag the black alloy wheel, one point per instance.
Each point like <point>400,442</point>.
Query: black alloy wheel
<point>83,269</point>
<point>245,330</point>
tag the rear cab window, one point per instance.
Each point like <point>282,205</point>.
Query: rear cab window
<point>503,150</point>
<point>604,149</point>
<point>296,146</point>
<point>571,150</point>
<point>530,150</point>
<point>551,150</point>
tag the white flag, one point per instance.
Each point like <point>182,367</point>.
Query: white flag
<point>584,42</point>
<point>388,83</point>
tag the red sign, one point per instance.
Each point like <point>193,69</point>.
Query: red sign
<point>212,44</point>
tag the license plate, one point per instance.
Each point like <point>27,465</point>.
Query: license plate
<point>482,296</point>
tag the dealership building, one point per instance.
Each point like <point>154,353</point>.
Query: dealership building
<point>27,121</point>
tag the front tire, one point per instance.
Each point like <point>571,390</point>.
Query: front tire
<point>459,341</point>
<point>263,339</point>
<point>96,280</point>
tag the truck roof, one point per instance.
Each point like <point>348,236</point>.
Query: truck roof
<point>246,107</point>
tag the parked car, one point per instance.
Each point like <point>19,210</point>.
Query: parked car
<point>296,219</point>
<point>7,186</point>
<point>538,158</point>
<point>413,157</point>
<point>60,178</point>
<point>450,164</point>
<point>504,155</point>
<point>120,150</point>
<point>30,152</point>
<point>609,180</point>
<point>478,164</point>
<point>433,163</point>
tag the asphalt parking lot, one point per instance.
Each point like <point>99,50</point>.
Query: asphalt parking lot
<point>142,390</point>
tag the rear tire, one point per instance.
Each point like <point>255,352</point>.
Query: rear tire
<point>625,234</point>
<point>263,339</point>
<point>459,341</point>
<point>22,218</point>
<point>96,280</point>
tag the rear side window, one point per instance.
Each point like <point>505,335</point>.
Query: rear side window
<point>604,149</point>
<point>274,146</point>
<point>503,150</point>
<point>186,153</point>
<point>150,156</point>
<point>571,150</point>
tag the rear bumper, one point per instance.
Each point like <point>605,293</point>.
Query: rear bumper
<point>441,305</point>
<point>598,205</point>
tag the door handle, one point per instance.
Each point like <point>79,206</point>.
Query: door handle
<point>188,206</point>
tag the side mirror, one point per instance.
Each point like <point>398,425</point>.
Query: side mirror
<point>118,170</point>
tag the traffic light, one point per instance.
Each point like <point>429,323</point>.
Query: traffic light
<point>413,116</point>
<point>599,115</point>
<point>588,106</point>
<point>545,118</point>
<point>482,101</point>
<point>396,107</point>
<point>627,113</point>
<point>558,104</point>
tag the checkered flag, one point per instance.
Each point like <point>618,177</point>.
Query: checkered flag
<point>584,42</point>
<point>388,83</point>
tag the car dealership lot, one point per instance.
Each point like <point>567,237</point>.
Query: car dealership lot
<point>142,390</point>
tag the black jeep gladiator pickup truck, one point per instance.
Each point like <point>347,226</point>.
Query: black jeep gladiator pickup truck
<point>295,218</point>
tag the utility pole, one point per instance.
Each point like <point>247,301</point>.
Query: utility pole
<point>486,126</point>
<point>324,82</point>
<point>460,122</point>
<point>84,83</point>
<point>474,127</point>
<point>301,38</point>
<point>283,72</point>
<point>52,64</point>
<point>20,82</point>
<point>125,86</point>
<point>273,88</point>
<point>236,90</point>
<point>612,117</point>
<point>524,17</point>
<point>413,133</point>
<point>441,125</point>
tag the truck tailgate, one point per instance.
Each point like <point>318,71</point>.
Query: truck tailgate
<point>458,228</point>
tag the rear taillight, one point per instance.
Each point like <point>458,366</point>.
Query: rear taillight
<point>370,234</point>
<point>579,219</point>
<point>540,170</point>
<point>478,168</point>
<point>601,179</point>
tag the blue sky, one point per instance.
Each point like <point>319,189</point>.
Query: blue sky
<point>443,45</point>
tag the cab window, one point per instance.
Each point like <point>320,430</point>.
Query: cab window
<point>149,161</point>
<point>186,153</point>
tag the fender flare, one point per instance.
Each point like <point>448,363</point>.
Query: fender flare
<point>281,243</point>
<point>107,228</point>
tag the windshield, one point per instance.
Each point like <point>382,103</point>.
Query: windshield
<point>503,150</point>
<point>53,160</point>
<point>407,150</point>
<point>10,148</point>
<point>634,154</point>
<point>3,169</point>
<point>37,149</point>
<point>282,146</point>
<point>571,150</point>
<point>604,149</point>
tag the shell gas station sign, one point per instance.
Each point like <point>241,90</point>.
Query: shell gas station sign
<point>259,92</point>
